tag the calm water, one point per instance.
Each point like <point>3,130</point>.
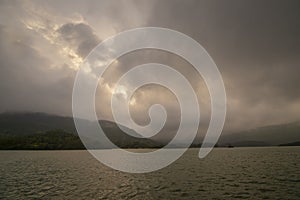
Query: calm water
<point>241,173</point>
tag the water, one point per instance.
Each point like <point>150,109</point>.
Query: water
<point>238,173</point>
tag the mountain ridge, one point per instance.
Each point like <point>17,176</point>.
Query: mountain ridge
<point>28,123</point>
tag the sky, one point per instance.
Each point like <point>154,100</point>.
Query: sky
<point>254,43</point>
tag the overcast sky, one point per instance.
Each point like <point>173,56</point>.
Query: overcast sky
<point>255,44</point>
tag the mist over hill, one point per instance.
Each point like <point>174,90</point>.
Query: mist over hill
<point>264,136</point>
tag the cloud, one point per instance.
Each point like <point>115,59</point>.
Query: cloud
<point>38,61</point>
<point>255,44</point>
<point>256,47</point>
<point>26,82</point>
<point>79,36</point>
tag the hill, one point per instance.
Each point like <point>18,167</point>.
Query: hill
<point>24,130</point>
<point>36,127</point>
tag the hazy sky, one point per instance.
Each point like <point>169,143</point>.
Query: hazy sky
<point>255,44</point>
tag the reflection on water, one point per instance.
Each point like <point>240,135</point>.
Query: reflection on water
<point>241,173</point>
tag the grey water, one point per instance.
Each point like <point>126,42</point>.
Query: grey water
<point>226,173</point>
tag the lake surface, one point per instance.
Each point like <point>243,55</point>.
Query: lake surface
<point>226,173</point>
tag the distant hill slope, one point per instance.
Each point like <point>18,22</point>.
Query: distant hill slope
<point>21,125</point>
<point>263,136</point>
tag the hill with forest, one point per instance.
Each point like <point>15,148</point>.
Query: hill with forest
<point>44,131</point>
